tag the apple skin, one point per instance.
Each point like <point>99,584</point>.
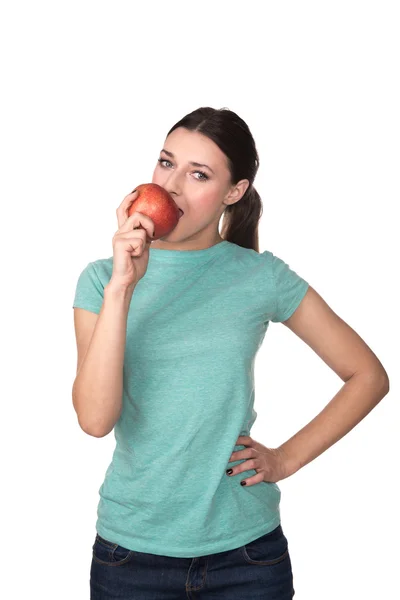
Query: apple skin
<point>155,202</point>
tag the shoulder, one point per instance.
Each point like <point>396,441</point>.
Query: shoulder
<point>251,258</point>
<point>266,264</point>
<point>102,267</point>
<point>96,273</point>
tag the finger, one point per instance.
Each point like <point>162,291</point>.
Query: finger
<point>134,236</point>
<point>144,222</point>
<point>244,466</point>
<point>244,440</point>
<point>138,221</point>
<point>240,454</point>
<point>249,481</point>
<point>134,246</point>
<point>122,210</point>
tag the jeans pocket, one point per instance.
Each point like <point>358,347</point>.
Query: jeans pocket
<point>110,554</point>
<point>269,549</point>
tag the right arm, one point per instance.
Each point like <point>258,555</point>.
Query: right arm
<point>98,386</point>
<point>97,389</point>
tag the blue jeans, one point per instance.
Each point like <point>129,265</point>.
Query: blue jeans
<point>260,570</point>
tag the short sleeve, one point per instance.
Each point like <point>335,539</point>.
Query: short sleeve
<point>89,293</point>
<point>290,289</point>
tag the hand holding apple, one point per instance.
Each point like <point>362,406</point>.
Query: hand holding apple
<point>130,245</point>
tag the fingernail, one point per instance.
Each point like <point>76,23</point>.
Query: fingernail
<point>229,471</point>
<point>242,483</point>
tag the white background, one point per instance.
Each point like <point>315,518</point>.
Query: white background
<point>89,91</point>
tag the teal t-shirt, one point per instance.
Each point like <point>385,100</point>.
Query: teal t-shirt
<point>196,321</point>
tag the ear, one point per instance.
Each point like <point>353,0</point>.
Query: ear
<point>237,191</point>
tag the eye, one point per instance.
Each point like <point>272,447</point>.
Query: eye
<point>203,177</point>
<point>161,160</point>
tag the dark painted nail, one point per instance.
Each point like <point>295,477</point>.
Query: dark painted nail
<point>242,483</point>
<point>229,471</point>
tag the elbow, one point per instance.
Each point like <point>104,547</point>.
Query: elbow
<point>88,418</point>
<point>93,430</point>
<point>381,379</point>
<point>90,428</point>
<point>384,380</point>
<point>95,433</point>
<point>386,385</point>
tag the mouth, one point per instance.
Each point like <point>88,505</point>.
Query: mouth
<point>181,213</point>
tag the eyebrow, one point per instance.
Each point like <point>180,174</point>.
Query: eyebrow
<point>195,164</point>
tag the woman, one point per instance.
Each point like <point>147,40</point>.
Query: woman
<point>167,333</point>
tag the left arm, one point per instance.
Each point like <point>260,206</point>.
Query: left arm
<point>342,349</point>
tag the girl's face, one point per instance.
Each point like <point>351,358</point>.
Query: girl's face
<point>201,190</point>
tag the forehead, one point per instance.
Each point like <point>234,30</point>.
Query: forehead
<point>193,146</point>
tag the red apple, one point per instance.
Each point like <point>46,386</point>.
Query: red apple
<point>155,202</point>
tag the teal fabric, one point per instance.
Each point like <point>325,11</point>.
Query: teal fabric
<point>196,321</point>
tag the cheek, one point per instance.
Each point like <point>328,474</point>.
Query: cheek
<point>158,177</point>
<point>206,202</point>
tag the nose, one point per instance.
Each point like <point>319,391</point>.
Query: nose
<point>173,185</point>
